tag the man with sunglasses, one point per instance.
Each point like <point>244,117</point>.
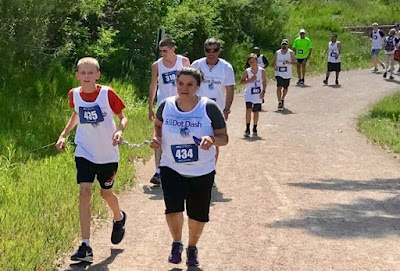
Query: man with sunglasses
<point>219,79</point>
<point>163,74</point>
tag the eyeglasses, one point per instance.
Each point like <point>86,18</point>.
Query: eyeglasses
<point>208,50</point>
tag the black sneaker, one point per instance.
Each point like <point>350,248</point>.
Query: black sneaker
<point>155,179</point>
<point>176,253</point>
<point>391,77</point>
<point>255,134</point>
<point>337,82</point>
<point>398,70</point>
<point>83,254</point>
<point>280,105</point>
<point>384,75</point>
<point>325,82</point>
<point>302,82</point>
<point>247,133</point>
<point>298,82</point>
<point>118,231</point>
<point>191,256</point>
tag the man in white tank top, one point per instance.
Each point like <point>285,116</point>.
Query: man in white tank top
<point>334,60</point>
<point>163,73</point>
<point>283,61</point>
<point>377,38</point>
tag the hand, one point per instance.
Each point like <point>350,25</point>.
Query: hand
<point>117,138</point>
<point>155,143</point>
<point>252,79</point>
<point>276,68</point>
<point>206,142</point>
<point>262,95</point>
<point>226,114</point>
<point>151,114</point>
<point>60,145</point>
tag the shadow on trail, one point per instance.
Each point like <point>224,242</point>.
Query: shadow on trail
<point>388,185</point>
<point>154,190</point>
<point>366,217</point>
<point>191,268</point>
<point>392,81</point>
<point>217,196</point>
<point>252,138</point>
<point>284,111</point>
<point>102,266</point>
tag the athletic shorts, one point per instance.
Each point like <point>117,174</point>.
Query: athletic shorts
<point>87,171</point>
<point>254,107</point>
<point>196,191</point>
<point>282,82</point>
<point>334,67</point>
<point>375,52</point>
<point>301,60</point>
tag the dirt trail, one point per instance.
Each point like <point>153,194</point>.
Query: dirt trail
<point>309,194</point>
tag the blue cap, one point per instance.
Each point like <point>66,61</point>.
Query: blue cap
<point>396,25</point>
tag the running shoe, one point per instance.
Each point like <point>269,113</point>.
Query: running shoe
<point>118,231</point>
<point>191,254</point>
<point>280,105</point>
<point>298,82</point>
<point>375,70</point>
<point>384,75</point>
<point>325,82</point>
<point>302,82</point>
<point>337,82</point>
<point>156,179</point>
<point>398,70</point>
<point>247,133</point>
<point>83,254</point>
<point>391,77</point>
<point>255,132</point>
<point>175,257</point>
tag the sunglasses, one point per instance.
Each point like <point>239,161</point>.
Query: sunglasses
<point>211,50</point>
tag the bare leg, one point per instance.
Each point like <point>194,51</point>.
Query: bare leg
<point>255,117</point>
<point>248,115</point>
<point>285,90</point>
<point>195,230</point>
<point>157,157</point>
<point>112,201</point>
<point>298,66</point>
<point>303,67</point>
<point>175,224</point>
<point>85,195</point>
<point>279,93</point>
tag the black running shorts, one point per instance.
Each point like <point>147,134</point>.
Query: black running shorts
<point>301,60</point>
<point>254,107</point>
<point>282,82</point>
<point>196,191</point>
<point>87,171</point>
<point>334,67</point>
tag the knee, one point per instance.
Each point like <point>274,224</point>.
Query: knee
<point>85,193</point>
<point>106,194</point>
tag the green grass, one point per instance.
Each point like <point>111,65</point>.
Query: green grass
<point>38,191</point>
<point>382,123</point>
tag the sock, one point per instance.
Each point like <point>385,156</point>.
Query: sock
<point>180,242</point>
<point>158,170</point>
<point>247,126</point>
<point>122,217</point>
<point>254,128</point>
<point>326,79</point>
<point>86,241</point>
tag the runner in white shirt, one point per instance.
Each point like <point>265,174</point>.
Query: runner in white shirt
<point>334,60</point>
<point>163,73</point>
<point>377,37</point>
<point>390,45</point>
<point>219,79</point>
<point>255,80</point>
<point>283,61</point>
<point>397,27</point>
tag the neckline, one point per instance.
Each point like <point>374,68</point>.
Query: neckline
<point>185,112</point>
<point>211,67</point>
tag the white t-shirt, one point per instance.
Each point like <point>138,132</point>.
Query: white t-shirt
<point>179,150</point>
<point>167,78</point>
<point>95,129</point>
<point>284,70</point>
<point>254,89</point>
<point>333,52</point>
<point>377,39</point>
<point>215,80</point>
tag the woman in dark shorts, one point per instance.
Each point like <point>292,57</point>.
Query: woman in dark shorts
<point>188,128</point>
<point>334,61</point>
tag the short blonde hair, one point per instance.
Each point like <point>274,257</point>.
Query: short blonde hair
<point>88,60</point>
<point>392,32</point>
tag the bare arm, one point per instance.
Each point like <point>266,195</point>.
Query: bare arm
<point>157,133</point>
<point>230,92</point>
<point>293,57</point>
<point>275,67</point>
<point>73,121</point>
<point>185,62</point>
<point>153,89</point>
<point>123,121</point>
<point>264,83</point>
<point>244,78</point>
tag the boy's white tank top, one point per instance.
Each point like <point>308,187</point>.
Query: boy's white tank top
<point>284,70</point>
<point>167,79</point>
<point>333,52</point>
<point>254,89</point>
<point>179,150</point>
<point>96,128</point>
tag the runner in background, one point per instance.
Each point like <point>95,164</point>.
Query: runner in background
<point>390,45</point>
<point>303,47</point>
<point>163,73</point>
<point>377,39</point>
<point>334,60</point>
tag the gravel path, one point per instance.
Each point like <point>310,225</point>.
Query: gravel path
<point>309,194</point>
